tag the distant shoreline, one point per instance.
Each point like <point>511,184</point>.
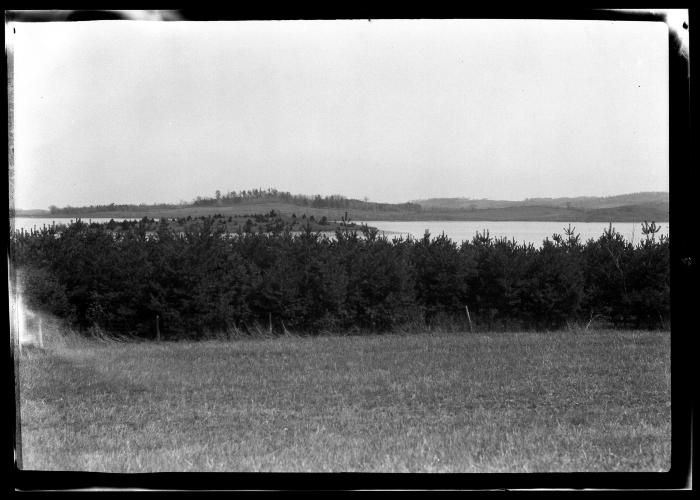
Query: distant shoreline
<point>385,217</point>
<point>624,208</point>
<point>381,219</point>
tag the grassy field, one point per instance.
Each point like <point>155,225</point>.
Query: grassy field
<point>498,402</point>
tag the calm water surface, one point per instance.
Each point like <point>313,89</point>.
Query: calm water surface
<point>521,231</point>
<point>29,223</point>
<point>458,231</point>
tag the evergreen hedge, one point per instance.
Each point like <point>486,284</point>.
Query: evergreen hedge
<point>202,281</point>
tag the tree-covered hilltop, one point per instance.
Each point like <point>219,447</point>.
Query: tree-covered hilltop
<point>656,198</point>
<point>202,281</point>
<point>635,207</point>
<point>233,198</point>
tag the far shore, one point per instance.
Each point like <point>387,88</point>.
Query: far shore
<point>637,211</point>
<point>428,216</point>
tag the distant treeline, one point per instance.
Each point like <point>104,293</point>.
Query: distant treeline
<point>234,198</point>
<point>659,199</point>
<point>317,201</point>
<point>203,281</point>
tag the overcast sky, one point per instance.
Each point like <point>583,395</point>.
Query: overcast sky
<point>131,112</point>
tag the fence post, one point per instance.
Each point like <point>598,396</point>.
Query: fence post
<point>41,334</point>
<point>469,318</point>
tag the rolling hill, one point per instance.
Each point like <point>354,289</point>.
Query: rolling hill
<point>582,202</point>
<point>634,207</point>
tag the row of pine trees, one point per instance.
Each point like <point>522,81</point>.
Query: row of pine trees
<point>203,282</point>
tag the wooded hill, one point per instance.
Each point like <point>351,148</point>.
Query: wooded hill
<point>635,207</point>
<point>581,202</point>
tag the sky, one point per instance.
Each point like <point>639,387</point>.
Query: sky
<point>153,112</point>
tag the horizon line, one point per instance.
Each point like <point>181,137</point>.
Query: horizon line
<point>16,209</point>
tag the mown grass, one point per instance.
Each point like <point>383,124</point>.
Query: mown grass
<point>498,402</point>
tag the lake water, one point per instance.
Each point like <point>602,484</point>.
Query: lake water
<point>521,231</point>
<point>458,231</point>
<point>29,223</point>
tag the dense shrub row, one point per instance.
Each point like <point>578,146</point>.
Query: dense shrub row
<point>200,281</point>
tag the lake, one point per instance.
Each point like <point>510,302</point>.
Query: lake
<point>523,231</point>
<point>29,223</point>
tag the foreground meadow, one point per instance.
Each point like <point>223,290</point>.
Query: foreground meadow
<point>497,402</point>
